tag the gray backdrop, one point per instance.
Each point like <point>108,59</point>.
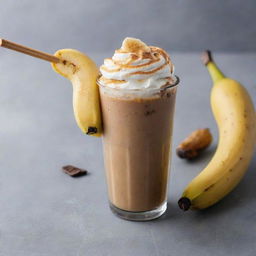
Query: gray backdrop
<point>100,25</point>
<point>46,213</point>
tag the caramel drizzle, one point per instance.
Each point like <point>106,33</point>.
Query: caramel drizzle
<point>128,63</point>
<point>165,55</point>
<point>113,81</point>
<point>154,55</point>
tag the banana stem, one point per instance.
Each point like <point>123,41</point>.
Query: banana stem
<point>213,69</point>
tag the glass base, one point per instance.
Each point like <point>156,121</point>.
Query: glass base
<point>139,216</point>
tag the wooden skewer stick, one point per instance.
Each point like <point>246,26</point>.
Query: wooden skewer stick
<point>29,51</point>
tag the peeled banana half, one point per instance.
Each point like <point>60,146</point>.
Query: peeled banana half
<point>83,73</point>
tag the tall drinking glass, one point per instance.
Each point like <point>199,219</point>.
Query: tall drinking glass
<point>137,141</point>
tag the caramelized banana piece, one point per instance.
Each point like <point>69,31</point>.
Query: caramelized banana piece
<point>191,147</point>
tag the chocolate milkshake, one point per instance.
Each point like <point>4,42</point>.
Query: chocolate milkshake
<point>137,91</point>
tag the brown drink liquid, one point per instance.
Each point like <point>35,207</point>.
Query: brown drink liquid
<point>137,142</point>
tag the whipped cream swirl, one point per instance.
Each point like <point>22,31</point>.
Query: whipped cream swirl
<point>137,66</point>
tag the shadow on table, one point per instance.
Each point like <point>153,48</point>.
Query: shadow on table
<point>205,155</point>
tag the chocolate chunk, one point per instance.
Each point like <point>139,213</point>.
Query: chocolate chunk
<point>74,171</point>
<point>149,112</point>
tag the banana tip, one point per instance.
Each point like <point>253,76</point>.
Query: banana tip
<point>184,203</point>
<point>91,130</point>
<point>206,57</point>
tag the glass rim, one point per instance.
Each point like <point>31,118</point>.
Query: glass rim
<point>175,84</point>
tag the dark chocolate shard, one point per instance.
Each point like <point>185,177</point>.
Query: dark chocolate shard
<point>74,171</point>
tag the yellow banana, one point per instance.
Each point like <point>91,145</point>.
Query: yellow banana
<point>235,116</point>
<point>82,72</point>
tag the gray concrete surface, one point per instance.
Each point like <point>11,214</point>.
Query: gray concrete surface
<point>184,25</point>
<point>44,212</point>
